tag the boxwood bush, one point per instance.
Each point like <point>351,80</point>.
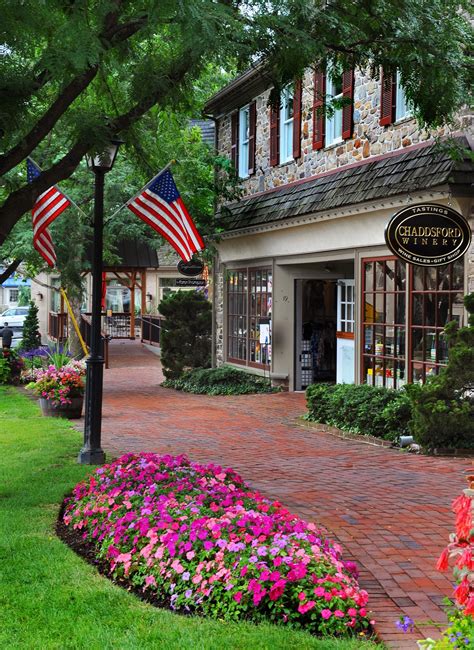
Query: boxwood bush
<point>364,409</point>
<point>219,381</point>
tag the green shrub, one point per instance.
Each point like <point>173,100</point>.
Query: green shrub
<point>369,410</point>
<point>443,409</point>
<point>219,381</point>
<point>186,333</point>
<point>31,336</point>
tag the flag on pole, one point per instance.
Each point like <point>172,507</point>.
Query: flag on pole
<point>160,206</point>
<point>48,206</point>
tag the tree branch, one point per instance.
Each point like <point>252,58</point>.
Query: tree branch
<point>24,198</point>
<point>10,270</point>
<point>112,36</point>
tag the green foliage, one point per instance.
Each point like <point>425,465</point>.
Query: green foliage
<point>24,296</point>
<point>224,380</point>
<point>31,335</point>
<point>459,633</point>
<point>4,370</point>
<point>186,332</point>
<point>364,409</point>
<point>443,409</point>
<point>59,355</point>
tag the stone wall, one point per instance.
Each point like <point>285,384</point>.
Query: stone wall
<point>219,314</point>
<point>369,138</point>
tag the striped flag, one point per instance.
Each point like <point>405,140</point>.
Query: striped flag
<point>48,206</point>
<point>160,206</point>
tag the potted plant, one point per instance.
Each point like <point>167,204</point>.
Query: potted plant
<point>61,390</point>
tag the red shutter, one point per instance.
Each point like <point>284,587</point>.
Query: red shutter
<point>252,136</point>
<point>234,156</point>
<point>318,109</point>
<point>387,99</point>
<point>274,135</point>
<point>348,109</point>
<point>297,96</point>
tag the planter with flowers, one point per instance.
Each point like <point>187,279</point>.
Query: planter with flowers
<point>61,390</point>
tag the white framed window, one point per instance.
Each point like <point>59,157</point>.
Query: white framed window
<point>286,124</point>
<point>244,138</point>
<point>402,105</point>
<point>14,295</point>
<point>333,118</point>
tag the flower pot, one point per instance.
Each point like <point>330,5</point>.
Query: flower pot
<point>71,411</point>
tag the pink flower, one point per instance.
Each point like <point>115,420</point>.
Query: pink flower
<point>302,596</point>
<point>150,580</point>
<point>326,613</point>
<point>339,614</point>
<point>352,612</point>
<point>238,596</point>
<point>319,591</point>
<point>305,607</point>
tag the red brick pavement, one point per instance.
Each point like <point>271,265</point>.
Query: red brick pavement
<point>389,510</point>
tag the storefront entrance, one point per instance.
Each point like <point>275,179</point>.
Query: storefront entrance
<point>316,321</point>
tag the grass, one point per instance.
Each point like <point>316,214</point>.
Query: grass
<point>51,598</point>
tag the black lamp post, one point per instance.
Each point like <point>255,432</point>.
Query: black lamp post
<point>92,453</point>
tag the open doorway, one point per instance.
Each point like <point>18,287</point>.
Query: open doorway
<point>316,320</point>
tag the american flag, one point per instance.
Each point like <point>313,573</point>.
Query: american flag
<point>161,207</point>
<point>48,206</point>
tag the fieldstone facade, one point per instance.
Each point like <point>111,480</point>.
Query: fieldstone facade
<point>369,138</point>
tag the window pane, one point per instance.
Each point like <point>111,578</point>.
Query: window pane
<point>369,276</point>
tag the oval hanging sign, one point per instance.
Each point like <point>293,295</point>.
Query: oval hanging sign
<point>428,234</point>
<point>191,268</point>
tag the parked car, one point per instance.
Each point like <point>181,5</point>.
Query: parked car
<point>14,316</point>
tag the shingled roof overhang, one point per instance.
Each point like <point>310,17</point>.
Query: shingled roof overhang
<point>239,91</point>
<point>420,168</point>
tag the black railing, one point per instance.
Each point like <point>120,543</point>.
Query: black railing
<point>85,328</point>
<point>151,329</point>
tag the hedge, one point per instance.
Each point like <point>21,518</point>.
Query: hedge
<point>363,409</point>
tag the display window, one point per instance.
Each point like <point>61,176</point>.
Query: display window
<point>404,311</point>
<point>249,308</point>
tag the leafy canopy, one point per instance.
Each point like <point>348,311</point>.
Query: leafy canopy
<point>72,74</point>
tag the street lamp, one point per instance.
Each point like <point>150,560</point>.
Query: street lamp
<point>92,453</point>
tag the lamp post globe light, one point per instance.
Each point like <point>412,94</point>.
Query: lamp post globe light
<point>92,453</point>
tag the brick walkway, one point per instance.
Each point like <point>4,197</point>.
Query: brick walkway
<point>390,511</point>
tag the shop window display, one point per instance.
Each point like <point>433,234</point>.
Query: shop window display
<point>249,308</point>
<point>435,297</point>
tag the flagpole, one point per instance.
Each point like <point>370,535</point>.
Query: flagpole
<point>171,162</point>
<point>68,197</point>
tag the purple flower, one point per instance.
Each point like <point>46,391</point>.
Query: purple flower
<point>406,624</point>
<point>186,575</point>
<point>188,593</point>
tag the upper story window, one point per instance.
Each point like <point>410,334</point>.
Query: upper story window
<point>14,295</point>
<point>333,118</point>
<point>286,122</point>
<point>285,126</point>
<point>337,126</point>
<point>243,133</point>
<point>402,105</point>
<point>394,105</point>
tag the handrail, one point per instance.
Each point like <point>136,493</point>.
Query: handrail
<point>104,337</point>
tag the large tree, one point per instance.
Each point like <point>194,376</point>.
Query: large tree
<point>80,71</point>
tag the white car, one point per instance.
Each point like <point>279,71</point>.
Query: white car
<point>14,316</point>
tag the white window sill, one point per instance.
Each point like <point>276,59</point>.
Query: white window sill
<point>286,162</point>
<point>405,118</point>
<point>333,144</point>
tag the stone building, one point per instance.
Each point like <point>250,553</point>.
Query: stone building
<point>305,287</point>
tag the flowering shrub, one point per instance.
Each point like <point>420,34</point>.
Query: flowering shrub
<point>11,366</point>
<point>198,538</point>
<point>59,385</point>
<point>461,550</point>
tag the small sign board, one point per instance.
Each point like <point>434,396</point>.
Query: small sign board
<point>191,268</point>
<point>428,234</point>
<point>190,282</point>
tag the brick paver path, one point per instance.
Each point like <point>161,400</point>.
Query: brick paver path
<point>389,510</point>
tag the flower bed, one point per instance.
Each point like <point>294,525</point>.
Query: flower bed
<point>197,538</point>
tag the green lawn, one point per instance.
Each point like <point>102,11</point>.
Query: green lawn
<point>49,597</point>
